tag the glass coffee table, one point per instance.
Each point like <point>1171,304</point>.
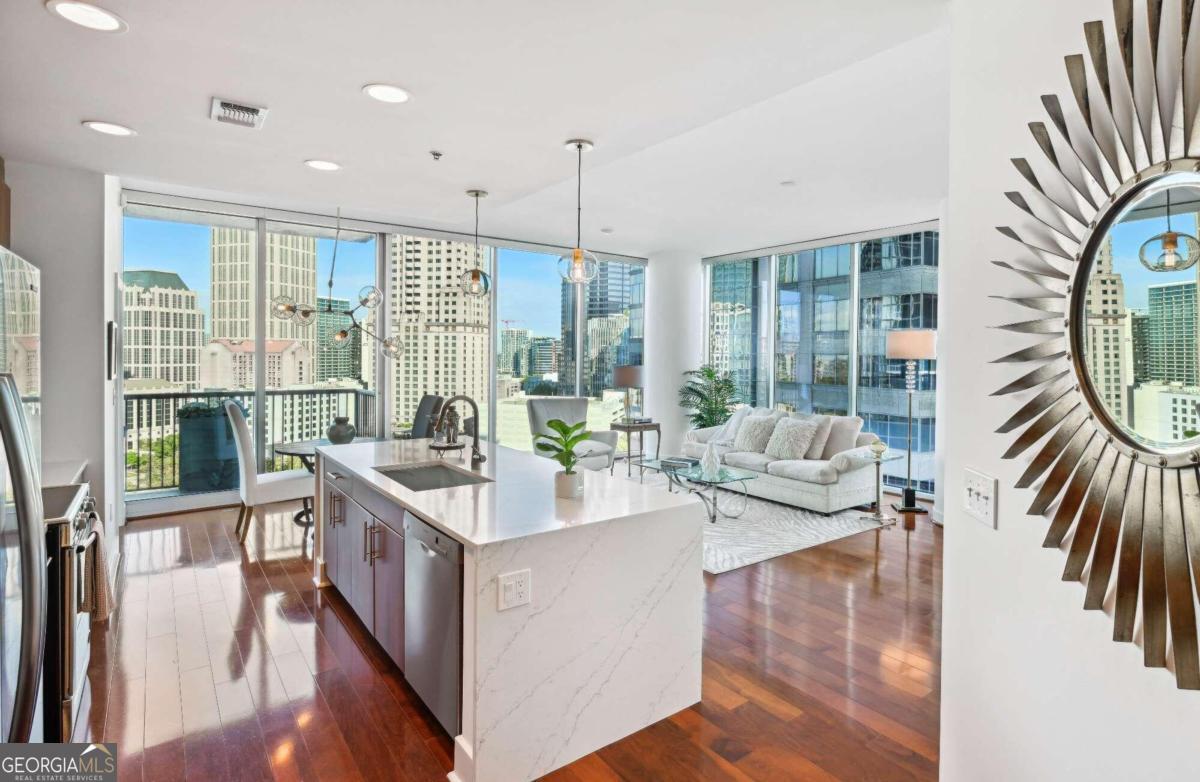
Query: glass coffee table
<point>693,480</point>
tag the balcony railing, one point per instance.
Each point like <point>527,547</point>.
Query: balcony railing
<point>158,442</point>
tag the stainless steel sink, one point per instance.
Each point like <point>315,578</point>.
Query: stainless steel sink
<point>425,476</point>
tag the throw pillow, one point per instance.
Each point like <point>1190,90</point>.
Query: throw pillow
<point>754,433</point>
<point>843,435</point>
<point>725,435</point>
<point>792,438</point>
<point>824,422</point>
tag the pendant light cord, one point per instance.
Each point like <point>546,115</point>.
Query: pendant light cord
<point>476,230</point>
<point>1168,210</point>
<point>333,264</point>
<point>579,197</point>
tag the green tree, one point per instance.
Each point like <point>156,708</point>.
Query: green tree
<point>709,395</point>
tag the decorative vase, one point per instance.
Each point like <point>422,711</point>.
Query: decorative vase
<point>710,462</point>
<point>879,447</point>
<point>340,431</point>
<point>569,486</point>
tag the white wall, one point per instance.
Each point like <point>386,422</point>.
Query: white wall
<point>59,225</point>
<point>1033,688</point>
<point>674,338</point>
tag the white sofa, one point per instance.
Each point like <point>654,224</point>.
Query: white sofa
<point>838,480</point>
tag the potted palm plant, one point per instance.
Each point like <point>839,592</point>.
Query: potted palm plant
<point>560,446</point>
<point>708,395</point>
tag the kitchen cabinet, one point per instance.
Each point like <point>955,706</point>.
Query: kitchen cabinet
<point>335,509</point>
<point>359,575</point>
<point>389,591</point>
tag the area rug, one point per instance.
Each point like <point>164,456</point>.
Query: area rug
<point>766,530</point>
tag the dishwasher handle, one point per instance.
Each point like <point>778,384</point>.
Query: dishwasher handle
<point>432,551</point>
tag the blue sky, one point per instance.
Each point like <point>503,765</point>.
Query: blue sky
<point>531,292</point>
<point>1127,240</point>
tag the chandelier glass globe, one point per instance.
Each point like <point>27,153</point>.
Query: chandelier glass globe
<point>579,267</point>
<point>392,347</point>
<point>475,282</point>
<point>283,307</point>
<point>306,315</point>
<point>1170,251</point>
<point>341,339</point>
<point>370,297</point>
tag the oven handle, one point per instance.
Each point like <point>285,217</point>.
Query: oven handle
<point>82,547</point>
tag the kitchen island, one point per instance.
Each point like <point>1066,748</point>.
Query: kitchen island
<point>601,633</point>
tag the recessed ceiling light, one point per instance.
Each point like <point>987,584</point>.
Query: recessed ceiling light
<point>606,230</point>
<point>788,183</point>
<point>109,128</point>
<point>388,93</point>
<point>322,165</point>
<point>87,15</point>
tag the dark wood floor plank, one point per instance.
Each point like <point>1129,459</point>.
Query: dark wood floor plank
<point>226,662</point>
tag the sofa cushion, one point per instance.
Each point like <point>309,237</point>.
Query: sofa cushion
<point>748,460</point>
<point>696,450</point>
<point>843,434</point>
<point>791,438</point>
<point>807,470</point>
<point>754,433</point>
<point>824,422</point>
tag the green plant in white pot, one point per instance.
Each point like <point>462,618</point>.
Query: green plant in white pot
<point>560,447</point>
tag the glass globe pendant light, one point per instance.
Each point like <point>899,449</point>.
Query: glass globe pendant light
<point>580,266</point>
<point>476,282</point>
<point>1169,251</point>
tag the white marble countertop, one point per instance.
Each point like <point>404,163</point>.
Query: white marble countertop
<point>519,501</point>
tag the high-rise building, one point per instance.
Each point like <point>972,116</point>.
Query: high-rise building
<point>544,355</point>
<point>229,363</point>
<point>1105,334</point>
<point>1139,345</point>
<point>291,271</point>
<point>337,360</point>
<point>513,358</point>
<point>1172,333</point>
<point>445,333</point>
<point>164,329</point>
<point>740,317</point>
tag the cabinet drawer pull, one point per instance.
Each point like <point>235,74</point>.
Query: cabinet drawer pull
<point>365,552</point>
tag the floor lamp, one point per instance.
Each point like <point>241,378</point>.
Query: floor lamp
<point>911,345</point>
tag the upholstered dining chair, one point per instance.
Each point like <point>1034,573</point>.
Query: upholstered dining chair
<point>261,489</point>
<point>598,453</point>
<point>426,415</point>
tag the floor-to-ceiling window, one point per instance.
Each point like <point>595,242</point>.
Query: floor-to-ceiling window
<point>739,324</point>
<point>189,334</point>
<point>829,309</point>
<point>897,289</point>
<point>812,336</point>
<point>446,335</point>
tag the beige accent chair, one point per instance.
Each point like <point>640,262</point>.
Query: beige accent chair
<point>598,453</point>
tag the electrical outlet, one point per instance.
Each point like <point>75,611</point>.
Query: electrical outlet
<point>979,497</point>
<point>513,589</point>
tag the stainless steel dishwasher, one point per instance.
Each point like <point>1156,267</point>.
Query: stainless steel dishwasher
<point>433,620</point>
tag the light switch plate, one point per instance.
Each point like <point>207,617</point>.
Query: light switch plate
<point>513,589</point>
<point>979,497</point>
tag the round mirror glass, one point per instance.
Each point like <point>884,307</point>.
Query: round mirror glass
<point>1140,315</point>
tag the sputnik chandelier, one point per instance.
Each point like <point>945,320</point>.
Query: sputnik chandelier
<point>284,307</point>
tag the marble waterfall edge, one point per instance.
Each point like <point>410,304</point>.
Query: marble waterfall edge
<point>610,643</point>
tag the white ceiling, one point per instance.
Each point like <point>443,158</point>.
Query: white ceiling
<point>698,109</point>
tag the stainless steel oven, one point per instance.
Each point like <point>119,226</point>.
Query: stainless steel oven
<point>70,517</point>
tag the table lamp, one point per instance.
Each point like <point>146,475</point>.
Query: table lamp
<point>911,345</point>
<point>628,377</point>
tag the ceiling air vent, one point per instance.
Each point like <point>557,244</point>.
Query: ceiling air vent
<point>238,114</point>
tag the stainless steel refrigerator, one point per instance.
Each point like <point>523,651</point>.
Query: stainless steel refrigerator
<point>22,536</point>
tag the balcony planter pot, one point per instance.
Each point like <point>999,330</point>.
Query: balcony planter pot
<point>207,451</point>
<point>568,486</point>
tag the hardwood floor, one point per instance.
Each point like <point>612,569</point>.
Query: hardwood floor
<point>226,663</point>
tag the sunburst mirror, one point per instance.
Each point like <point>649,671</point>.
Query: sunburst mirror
<point>1109,400</point>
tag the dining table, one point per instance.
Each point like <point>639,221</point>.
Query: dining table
<point>306,452</point>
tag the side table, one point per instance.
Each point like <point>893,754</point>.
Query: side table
<point>879,517</point>
<point>630,429</point>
